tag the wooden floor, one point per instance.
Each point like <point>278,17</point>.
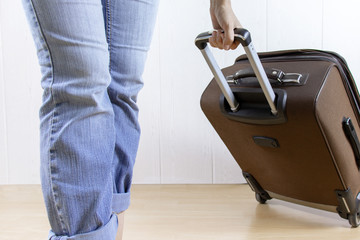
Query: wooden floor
<point>174,212</point>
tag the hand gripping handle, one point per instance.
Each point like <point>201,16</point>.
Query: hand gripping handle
<point>243,36</point>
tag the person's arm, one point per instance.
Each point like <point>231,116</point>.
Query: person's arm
<point>223,18</point>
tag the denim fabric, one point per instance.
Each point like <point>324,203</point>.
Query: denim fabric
<point>92,55</point>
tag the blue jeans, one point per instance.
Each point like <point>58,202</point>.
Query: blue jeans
<point>92,55</point>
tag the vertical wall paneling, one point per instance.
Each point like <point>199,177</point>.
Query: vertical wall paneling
<point>23,94</point>
<point>186,135</point>
<point>185,155</point>
<point>341,31</point>
<point>3,132</point>
<point>294,24</point>
<point>147,167</point>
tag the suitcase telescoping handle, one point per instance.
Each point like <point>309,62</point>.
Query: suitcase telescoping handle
<point>243,36</point>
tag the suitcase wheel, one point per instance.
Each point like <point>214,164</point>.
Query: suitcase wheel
<point>260,198</point>
<point>354,220</point>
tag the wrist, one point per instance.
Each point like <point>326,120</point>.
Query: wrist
<point>219,3</point>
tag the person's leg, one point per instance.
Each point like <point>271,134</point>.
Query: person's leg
<point>120,229</point>
<point>77,118</point>
<point>129,27</point>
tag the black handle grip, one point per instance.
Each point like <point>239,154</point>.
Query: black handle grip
<point>241,34</point>
<point>353,139</point>
<point>271,73</point>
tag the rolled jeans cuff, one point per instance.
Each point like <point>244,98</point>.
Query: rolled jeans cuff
<point>120,202</point>
<point>105,232</point>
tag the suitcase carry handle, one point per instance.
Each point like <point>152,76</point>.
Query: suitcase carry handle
<point>272,73</point>
<point>243,36</point>
<point>351,135</point>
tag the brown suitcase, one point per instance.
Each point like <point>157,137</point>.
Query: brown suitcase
<point>295,136</point>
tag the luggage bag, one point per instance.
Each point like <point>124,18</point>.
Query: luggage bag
<point>290,122</point>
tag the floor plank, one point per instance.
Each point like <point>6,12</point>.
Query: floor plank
<point>171,212</point>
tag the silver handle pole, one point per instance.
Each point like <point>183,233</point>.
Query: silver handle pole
<point>220,78</point>
<point>261,76</point>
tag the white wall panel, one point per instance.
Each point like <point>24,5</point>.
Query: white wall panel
<point>294,24</point>
<point>147,167</point>
<point>342,33</point>
<point>22,95</point>
<point>3,135</point>
<point>185,155</point>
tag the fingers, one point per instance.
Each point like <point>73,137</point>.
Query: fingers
<point>223,40</point>
<point>234,45</point>
<point>229,38</point>
<point>217,39</point>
